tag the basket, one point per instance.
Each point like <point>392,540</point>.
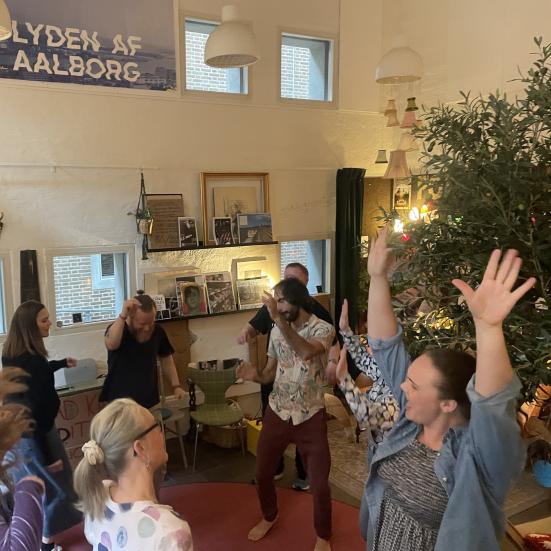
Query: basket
<point>224,437</point>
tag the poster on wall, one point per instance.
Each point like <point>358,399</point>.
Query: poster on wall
<point>122,44</point>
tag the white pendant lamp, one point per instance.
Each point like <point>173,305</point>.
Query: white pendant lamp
<point>400,64</point>
<point>5,21</point>
<point>232,43</point>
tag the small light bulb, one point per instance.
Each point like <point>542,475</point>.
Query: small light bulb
<point>398,226</point>
<point>414,214</point>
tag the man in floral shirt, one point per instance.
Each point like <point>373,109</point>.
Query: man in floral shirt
<point>297,361</point>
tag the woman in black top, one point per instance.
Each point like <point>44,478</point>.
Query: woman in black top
<point>42,452</point>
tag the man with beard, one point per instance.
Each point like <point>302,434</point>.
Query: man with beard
<point>297,362</point>
<point>134,342</point>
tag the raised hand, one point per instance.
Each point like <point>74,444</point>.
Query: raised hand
<point>344,324</point>
<point>380,256</point>
<point>129,307</point>
<point>71,362</point>
<point>271,305</point>
<point>491,302</point>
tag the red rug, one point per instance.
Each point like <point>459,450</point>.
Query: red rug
<point>220,516</point>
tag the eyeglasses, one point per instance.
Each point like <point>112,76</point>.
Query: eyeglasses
<point>146,432</point>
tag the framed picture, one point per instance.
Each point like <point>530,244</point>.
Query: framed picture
<point>250,292</point>
<point>220,293</point>
<point>401,194</point>
<point>192,299</point>
<point>225,194</point>
<point>166,208</point>
<point>222,230</point>
<point>187,230</point>
<point>254,228</point>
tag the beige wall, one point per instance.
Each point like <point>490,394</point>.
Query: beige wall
<point>474,45</point>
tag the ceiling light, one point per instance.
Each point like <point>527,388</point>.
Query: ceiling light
<point>232,43</point>
<point>399,64</point>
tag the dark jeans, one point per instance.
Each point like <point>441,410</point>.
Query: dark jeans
<point>310,438</point>
<point>265,391</point>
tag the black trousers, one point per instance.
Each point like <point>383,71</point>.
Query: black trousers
<point>265,391</point>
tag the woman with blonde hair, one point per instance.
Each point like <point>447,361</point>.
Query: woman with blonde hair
<point>20,507</point>
<point>41,452</point>
<point>127,444</point>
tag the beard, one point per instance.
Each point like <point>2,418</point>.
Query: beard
<point>292,314</point>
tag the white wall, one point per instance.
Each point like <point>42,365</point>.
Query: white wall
<point>469,45</point>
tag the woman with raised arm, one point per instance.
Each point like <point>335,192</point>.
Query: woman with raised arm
<point>377,409</point>
<point>439,478</point>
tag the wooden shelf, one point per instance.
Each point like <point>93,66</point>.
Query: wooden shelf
<point>200,247</point>
<point>182,318</point>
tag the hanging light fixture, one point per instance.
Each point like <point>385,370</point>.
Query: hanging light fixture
<point>232,43</point>
<point>407,142</point>
<point>5,21</point>
<point>381,157</point>
<point>409,120</point>
<point>391,113</point>
<point>397,165</point>
<point>400,64</point>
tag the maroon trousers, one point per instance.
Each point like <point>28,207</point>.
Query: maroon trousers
<point>310,438</point>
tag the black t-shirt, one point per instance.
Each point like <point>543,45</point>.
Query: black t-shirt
<point>132,368</point>
<point>262,323</point>
<point>40,397</point>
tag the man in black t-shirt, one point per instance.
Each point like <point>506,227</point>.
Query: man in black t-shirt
<point>262,323</point>
<point>134,342</point>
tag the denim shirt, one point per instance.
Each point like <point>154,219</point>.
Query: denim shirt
<point>476,465</point>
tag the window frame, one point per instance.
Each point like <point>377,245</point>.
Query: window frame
<point>7,290</point>
<point>229,96</point>
<point>49,254</point>
<point>333,67</point>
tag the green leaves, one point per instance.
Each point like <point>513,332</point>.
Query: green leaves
<point>487,162</point>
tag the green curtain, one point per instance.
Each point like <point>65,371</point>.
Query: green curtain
<point>348,231</point>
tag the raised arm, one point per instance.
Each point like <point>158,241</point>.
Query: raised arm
<point>113,335</point>
<point>381,321</point>
<point>489,305</point>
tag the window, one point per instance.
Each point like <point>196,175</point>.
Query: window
<point>89,286</point>
<point>200,76</point>
<point>5,293</point>
<point>314,255</point>
<point>306,68</point>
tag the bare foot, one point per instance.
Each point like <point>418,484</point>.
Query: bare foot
<point>322,545</point>
<point>261,529</point>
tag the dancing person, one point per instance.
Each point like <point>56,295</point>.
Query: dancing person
<point>21,508</point>
<point>42,452</point>
<point>128,444</point>
<point>134,342</point>
<point>439,478</point>
<point>297,361</point>
<point>262,323</point>
<point>377,409</point>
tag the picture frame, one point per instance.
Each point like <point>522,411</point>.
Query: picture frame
<point>250,292</point>
<point>222,230</point>
<point>192,299</point>
<point>165,208</point>
<point>187,232</point>
<point>227,194</point>
<point>220,294</point>
<point>401,194</point>
<point>255,228</point>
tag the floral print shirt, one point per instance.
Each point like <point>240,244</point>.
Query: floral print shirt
<point>377,409</point>
<point>298,392</point>
<point>138,526</point>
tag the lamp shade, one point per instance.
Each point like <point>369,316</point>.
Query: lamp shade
<point>5,21</point>
<point>407,142</point>
<point>409,120</point>
<point>392,118</point>
<point>381,157</point>
<point>399,64</point>
<point>232,43</point>
<point>397,165</point>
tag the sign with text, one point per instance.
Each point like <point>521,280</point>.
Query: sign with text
<point>121,43</point>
